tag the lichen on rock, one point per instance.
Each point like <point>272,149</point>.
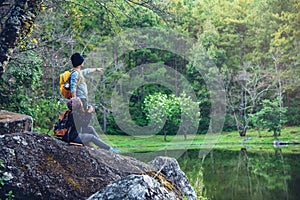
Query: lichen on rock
<point>171,169</point>
<point>135,187</point>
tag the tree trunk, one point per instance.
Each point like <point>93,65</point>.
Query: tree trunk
<point>275,134</point>
<point>16,20</point>
<point>165,132</point>
<point>104,100</point>
<point>243,132</point>
<point>185,133</point>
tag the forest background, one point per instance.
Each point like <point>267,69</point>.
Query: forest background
<point>253,43</point>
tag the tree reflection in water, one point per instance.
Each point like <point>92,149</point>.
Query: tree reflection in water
<point>243,175</point>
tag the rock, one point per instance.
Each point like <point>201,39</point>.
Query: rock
<point>277,143</point>
<point>170,168</point>
<point>135,187</point>
<point>38,166</point>
<point>14,123</point>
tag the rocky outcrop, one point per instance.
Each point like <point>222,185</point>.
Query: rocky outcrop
<point>14,123</point>
<point>38,166</point>
<point>170,168</point>
<point>135,187</point>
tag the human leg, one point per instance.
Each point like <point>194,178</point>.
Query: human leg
<point>87,138</point>
<point>90,130</point>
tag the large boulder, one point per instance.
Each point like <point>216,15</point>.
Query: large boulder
<point>14,123</point>
<point>136,187</point>
<point>171,169</point>
<point>38,166</point>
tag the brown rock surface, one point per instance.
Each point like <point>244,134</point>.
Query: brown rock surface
<point>14,123</point>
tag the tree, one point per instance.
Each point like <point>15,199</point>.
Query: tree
<point>64,27</point>
<point>285,52</point>
<point>271,116</point>
<point>163,109</point>
<point>245,92</point>
<point>17,18</point>
<point>240,33</point>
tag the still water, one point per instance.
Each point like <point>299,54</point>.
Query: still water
<point>242,175</point>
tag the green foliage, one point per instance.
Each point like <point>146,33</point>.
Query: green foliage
<point>202,92</point>
<point>271,116</point>
<point>22,90</point>
<point>162,107</point>
<point>21,81</point>
<point>45,113</point>
<point>293,111</point>
<point>234,34</point>
<point>23,73</point>
<point>238,33</point>
<point>140,17</point>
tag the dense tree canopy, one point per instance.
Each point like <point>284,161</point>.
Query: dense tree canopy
<point>253,44</point>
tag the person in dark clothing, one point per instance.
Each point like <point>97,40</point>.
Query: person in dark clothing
<point>81,131</point>
<point>72,134</point>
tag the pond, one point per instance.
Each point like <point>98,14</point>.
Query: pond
<point>243,175</point>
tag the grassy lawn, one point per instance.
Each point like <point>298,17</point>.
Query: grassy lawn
<point>254,141</point>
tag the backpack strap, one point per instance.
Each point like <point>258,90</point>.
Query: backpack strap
<point>79,74</point>
<point>63,115</point>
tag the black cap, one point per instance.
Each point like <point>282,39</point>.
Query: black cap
<point>77,59</point>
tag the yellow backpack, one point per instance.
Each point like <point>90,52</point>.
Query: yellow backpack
<point>64,82</point>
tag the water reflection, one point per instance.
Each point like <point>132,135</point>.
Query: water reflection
<point>242,175</point>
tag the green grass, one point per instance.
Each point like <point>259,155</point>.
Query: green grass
<point>254,141</point>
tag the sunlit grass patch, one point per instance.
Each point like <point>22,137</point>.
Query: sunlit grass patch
<point>254,141</point>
